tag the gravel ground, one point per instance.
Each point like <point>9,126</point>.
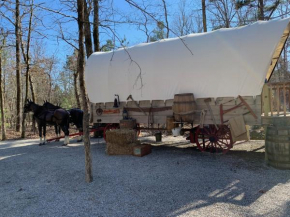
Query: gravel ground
<point>174,180</point>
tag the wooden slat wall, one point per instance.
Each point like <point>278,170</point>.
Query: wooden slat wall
<point>160,117</point>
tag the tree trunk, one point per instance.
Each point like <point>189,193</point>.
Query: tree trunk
<point>96,26</point>
<point>31,88</point>
<point>204,16</point>
<point>76,90</point>
<point>166,18</point>
<point>261,10</point>
<point>87,28</point>
<point>3,130</point>
<point>33,99</point>
<point>27,61</point>
<point>81,62</point>
<point>18,78</point>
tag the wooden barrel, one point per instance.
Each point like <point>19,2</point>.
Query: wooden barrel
<point>277,147</point>
<point>169,123</point>
<point>183,107</point>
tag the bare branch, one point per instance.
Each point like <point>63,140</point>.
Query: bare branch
<point>134,4</point>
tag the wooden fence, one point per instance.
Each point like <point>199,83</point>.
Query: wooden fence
<point>276,99</point>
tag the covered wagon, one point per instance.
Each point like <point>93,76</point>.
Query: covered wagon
<point>205,79</point>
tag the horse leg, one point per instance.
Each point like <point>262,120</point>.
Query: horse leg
<point>80,139</point>
<point>66,133</point>
<point>44,133</point>
<point>40,133</point>
<point>57,131</point>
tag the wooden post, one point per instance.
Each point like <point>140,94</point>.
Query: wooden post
<point>271,99</point>
<point>278,99</point>
<point>266,100</point>
<point>284,99</point>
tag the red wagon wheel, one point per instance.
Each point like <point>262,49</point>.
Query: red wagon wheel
<point>214,140</point>
<point>110,127</point>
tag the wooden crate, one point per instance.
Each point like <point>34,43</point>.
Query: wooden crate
<point>141,150</point>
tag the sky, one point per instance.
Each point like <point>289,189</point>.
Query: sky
<point>48,23</point>
<point>57,46</point>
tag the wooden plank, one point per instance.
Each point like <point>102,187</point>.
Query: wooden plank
<point>123,104</point>
<point>258,99</point>
<point>145,103</point>
<point>240,110</point>
<point>272,101</point>
<point>226,101</point>
<point>109,104</point>
<point>248,99</point>
<point>266,100</point>
<point>109,120</point>
<point>158,103</point>
<point>161,113</point>
<point>278,100</point>
<point>249,120</point>
<point>169,102</point>
<point>100,105</point>
<point>200,101</point>
<point>132,104</point>
<point>248,107</point>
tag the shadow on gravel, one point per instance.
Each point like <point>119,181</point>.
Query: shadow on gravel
<point>240,177</point>
<point>170,181</point>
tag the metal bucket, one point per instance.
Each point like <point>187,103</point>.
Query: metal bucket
<point>158,136</point>
<point>176,131</point>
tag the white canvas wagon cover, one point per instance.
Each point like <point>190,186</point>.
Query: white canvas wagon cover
<point>221,63</point>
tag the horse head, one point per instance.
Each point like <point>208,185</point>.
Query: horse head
<point>28,107</point>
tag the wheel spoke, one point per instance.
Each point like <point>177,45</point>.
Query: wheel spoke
<point>207,132</point>
<point>214,140</point>
<point>226,144</point>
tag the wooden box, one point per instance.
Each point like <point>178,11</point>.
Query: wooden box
<point>141,150</point>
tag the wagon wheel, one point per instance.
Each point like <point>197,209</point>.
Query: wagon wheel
<point>110,127</point>
<point>214,140</point>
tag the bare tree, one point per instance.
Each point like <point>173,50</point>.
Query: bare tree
<point>87,29</point>
<point>183,23</point>
<point>26,57</point>
<point>204,15</point>
<point>223,11</point>
<point>96,34</point>
<point>81,62</point>
<point>166,18</point>
<point>18,59</point>
<point>264,9</point>
<point>3,128</point>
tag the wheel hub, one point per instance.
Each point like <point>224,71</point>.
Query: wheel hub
<point>213,139</point>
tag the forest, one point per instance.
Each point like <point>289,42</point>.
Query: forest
<point>44,45</point>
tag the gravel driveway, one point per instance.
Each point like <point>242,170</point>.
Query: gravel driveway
<point>171,181</point>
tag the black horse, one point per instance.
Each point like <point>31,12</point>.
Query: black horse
<point>56,127</point>
<point>43,117</point>
<point>76,115</point>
